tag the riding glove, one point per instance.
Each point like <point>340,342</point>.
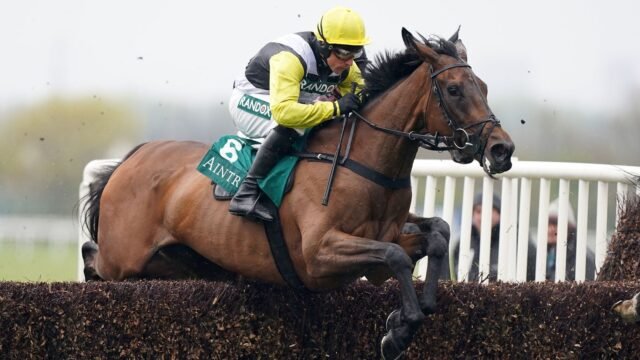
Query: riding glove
<point>348,103</point>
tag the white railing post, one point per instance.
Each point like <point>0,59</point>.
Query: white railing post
<point>428,210</point>
<point>447,212</point>
<point>414,191</point>
<point>505,221</point>
<point>430,196</point>
<point>581,230</point>
<point>484,266</point>
<point>512,231</point>
<point>543,227</point>
<point>466,256</point>
<point>561,235</point>
<point>523,229</point>
<point>601,224</point>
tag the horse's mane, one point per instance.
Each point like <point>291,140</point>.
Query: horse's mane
<point>388,68</point>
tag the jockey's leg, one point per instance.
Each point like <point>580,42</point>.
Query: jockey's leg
<point>247,201</point>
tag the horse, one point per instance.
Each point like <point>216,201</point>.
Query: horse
<point>143,212</point>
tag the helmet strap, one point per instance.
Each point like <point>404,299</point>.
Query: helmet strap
<point>325,47</point>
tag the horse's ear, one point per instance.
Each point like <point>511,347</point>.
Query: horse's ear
<point>422,49</point>
<point>409,39</point>
<point>454,37</point>
<point>462,50</point>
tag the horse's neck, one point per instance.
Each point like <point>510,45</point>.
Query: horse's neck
<point>400,108</point>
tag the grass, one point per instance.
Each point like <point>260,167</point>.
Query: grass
<point>38,262</point>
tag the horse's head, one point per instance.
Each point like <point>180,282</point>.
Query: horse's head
<point>471,129</point>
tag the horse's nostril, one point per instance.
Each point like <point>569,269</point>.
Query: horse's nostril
<point>502,151</point>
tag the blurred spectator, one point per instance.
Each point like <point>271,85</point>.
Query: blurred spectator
<point>494,247</point>
<point>552,242</point>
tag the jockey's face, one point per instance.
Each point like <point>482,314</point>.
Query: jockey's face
<point>337,64</point>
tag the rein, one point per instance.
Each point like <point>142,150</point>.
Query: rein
<point>427,141</point>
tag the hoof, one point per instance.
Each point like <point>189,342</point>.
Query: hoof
<point>90,274</point>
<point>628,309</point>
<point>89,249</point>
<point>410,228</point>
<point>394,320</point>
<point>389,349</point>
<point>614,307</point>
<point>428,304</point>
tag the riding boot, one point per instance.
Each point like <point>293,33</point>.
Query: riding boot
<point>248,200</point>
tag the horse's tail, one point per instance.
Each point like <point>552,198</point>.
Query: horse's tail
<point>92,205</point>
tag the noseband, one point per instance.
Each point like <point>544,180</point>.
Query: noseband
<point>461,139</point>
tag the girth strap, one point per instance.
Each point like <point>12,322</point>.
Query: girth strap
<point>273,229</point>
<point>360,169</point>
<point>279,249</point>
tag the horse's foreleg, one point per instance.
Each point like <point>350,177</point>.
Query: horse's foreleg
<point>413,245</point>
<point>342,254</point>
<point>436,234</point>
<point>417,241</point>
<point>423,237</point>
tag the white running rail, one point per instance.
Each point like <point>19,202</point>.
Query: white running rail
<point>516,192</point>
<point>517,207</point>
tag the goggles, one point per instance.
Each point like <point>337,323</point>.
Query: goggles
<point>344,54</point>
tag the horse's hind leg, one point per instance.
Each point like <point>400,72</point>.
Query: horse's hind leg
<point>181,262</point>
<point>89,252</point>
<point>126,245</point>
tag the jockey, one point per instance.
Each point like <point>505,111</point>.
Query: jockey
<point>290,85</point>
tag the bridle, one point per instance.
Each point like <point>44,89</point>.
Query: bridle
<point>461,139</point>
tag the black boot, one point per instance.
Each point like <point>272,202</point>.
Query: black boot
<point>248,199</point>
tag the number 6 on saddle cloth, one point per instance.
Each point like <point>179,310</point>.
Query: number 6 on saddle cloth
<point>229,160</point>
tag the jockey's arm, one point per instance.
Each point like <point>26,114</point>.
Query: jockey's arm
<point>286,73</point>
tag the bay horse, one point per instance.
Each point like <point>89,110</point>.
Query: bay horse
<point>155,200</point>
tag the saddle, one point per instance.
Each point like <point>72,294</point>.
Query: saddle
<point>220,194</point>
<point>229,159</point>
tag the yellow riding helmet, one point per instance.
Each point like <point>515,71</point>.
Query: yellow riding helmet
<point>342,26</point>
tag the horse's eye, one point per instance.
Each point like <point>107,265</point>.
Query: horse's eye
<point>454,90</point>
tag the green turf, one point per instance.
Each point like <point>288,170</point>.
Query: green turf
<point>38,262</point>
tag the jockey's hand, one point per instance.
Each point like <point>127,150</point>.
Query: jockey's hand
<point>348,103</point>
<point>329,97</point>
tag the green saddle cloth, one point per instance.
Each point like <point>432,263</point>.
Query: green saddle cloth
<point>229,160</point>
